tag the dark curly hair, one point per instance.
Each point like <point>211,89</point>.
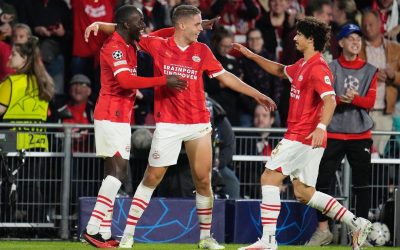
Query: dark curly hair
<point>310,27</point>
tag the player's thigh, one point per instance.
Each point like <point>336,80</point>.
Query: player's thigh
<point>112,138</point>
<point>308,161</point>
<point>166,145</point>
<point>199,152</point>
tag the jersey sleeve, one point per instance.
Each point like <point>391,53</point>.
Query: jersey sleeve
<point>5,92</point>
<point>322,79</point>
<point>149,44</point>
<point>211,65</point>
<point>290,70</point>
<point>115,56</point>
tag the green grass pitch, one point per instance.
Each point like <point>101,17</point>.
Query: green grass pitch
<point>60,245</point>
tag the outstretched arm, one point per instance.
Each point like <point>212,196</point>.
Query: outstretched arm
<point>271,67</point>
<point>231,81</point>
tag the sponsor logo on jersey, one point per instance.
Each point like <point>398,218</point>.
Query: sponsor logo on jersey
<point>196,58</point>
<point>117,55</point>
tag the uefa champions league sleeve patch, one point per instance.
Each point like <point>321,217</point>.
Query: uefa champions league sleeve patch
<point>117,55</point>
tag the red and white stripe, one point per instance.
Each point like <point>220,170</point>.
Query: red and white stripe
<point>105,222</point>
<point>268,220</point>
<point>139,203</point>
<point>204,211</point>
<point>98,214</point>
<point>270,207</point>
<point>329,205</point>
<point>132,220</point>
<point>104,200</point>
<point>205,226</point>
<point>340,213</point>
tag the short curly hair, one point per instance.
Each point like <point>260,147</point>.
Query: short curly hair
<point>310,27</point>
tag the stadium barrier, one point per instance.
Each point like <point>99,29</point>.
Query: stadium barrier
<point>49,183</point>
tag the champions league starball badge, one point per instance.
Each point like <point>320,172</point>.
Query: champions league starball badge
<point>117,55</point>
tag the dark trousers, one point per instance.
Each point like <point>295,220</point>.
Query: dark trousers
<point>359,156</point>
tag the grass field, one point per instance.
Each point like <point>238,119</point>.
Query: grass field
<point>41,245</point>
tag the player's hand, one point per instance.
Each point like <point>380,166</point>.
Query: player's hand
<point>94,27</point>
<point>265,101</point>
<point>176,82</point>
<point>242,49</point>
<point>209,24</point>
<point>317,136</point>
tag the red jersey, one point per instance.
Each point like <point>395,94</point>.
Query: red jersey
<point>114,102</point>
<point>189,106</point>
<point>310,81</point>
<point>85,12</point>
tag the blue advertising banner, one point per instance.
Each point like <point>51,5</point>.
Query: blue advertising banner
<point>165,220</point>
<point>296,222</point>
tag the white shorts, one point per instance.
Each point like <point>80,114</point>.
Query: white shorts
<point>297,160</point>
<point>112,137</point>
<point>167,141</point>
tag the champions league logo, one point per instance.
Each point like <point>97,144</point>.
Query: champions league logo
<point>351,82</point>
<point>117,55</point>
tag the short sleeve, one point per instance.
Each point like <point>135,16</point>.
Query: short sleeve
<point>5,92</point>
<point>290,70</point>
<point>115,55</point>
<point>149,44</point>
<point>211,65</point>
<point>322,80</point>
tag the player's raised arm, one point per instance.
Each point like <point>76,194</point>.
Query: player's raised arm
<point>107,28</point>
<point>271,67</point>
<point>231,81</point>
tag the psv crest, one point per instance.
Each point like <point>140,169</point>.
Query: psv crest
<point>117,55</point>
<point>196,58</point>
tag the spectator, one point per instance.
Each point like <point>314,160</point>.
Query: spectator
<point>385,55</point>
<point>258,78</point>
<point>343,12</point>
<point>388,11</point>
<point>355,87</point>
<point>221,44</point>
<point>239,16</point>
<point>85,56</point>
<point>5,48</point>
<point>30,84</point>
<point>81,111</point>
<point>25,96</point>
<point>274,26</point>
<point>21,33</point>
<point>50,21</point>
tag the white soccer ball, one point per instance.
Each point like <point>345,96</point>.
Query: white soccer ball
<point>379,235</point>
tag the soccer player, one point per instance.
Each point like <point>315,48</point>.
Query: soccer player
<point>312,103</point>
<point>183,117</point>
<point>113,113</point>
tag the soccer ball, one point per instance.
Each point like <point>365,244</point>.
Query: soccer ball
<point>379,235</point>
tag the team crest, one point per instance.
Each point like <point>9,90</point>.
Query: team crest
<point>117,55</point>
<point>300,78</point>
<point>156,155</point>
<point>327,80</point>
<point>196,58</point>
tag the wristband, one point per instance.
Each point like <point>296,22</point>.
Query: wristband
<point>321,126</point>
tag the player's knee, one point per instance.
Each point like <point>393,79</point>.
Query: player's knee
<point>300,196</point>
<point>152,179</point>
